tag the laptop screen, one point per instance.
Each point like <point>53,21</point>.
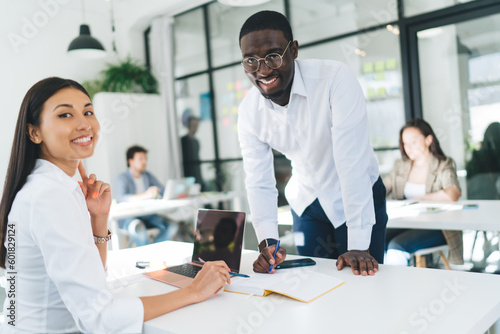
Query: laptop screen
<point>178,188</point>
<point>219,236</point>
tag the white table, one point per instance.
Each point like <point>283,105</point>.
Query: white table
<point>451,216</point>
<point>486,217</point>
<point>399,300</point>
<point>185,207</point>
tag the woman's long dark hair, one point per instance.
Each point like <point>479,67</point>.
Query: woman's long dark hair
<point>487,158</point>
<point>491,147</point>
<point>24,152</point>
<point>426,130</point>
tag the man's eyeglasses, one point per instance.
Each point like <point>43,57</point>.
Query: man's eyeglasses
<point>273,61</point>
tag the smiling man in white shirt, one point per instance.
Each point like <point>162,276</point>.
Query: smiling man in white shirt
<point>312,111</point>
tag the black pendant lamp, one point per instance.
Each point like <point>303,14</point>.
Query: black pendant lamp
<point>242,3</point>
<point>86,46</point>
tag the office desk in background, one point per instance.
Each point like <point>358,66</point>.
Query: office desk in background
<point>187,207</point>
<point>399,300</point>
<point>434,215</point>
<point>445,216</point>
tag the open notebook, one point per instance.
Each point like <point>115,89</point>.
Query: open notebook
<point>302,285</point>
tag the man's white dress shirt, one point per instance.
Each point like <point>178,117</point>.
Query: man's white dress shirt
<point>61,281</point>
<point>324,132</point>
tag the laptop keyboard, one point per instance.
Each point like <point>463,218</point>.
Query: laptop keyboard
<point>187,269</point>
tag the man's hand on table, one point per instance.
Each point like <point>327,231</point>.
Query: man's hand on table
<point>265,259</point>
<point>361,262</point>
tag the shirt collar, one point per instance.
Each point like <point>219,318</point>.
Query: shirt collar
<point>298,83</point>
<point>298,88</point>
<point>46,167</point>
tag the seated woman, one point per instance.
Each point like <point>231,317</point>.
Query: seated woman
<point>54,230</point>
<point>425,174</point>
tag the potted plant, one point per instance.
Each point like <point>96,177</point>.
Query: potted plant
<point>127,76</point>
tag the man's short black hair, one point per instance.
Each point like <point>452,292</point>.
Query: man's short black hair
<point>267,19</point>
<point>192,118</point>
<point>133,150</point>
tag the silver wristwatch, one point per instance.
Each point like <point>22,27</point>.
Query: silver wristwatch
<point>102,240</point>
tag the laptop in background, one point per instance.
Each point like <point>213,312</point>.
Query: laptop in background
<point>178,188</point>
<point>218,236</point>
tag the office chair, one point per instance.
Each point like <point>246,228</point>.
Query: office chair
<point>419,255</point>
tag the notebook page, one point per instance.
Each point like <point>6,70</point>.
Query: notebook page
<point>300,284</point>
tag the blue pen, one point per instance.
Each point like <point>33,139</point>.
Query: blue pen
<point>274,255</point>
<point>238,274</point>
<point>230,273</point>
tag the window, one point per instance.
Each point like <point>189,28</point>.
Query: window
<point>230,85</point>
<point>460,84</point>
<point>190,52</point>
<point>414,7</point>
<point>225,24</point>
<point>320,19</point>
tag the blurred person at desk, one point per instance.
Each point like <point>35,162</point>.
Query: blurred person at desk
<point>137,184</point>
<point>54,230</point>
<point>424,174</point>
<point>483,180</point>
<point>313,111</point>
<point>483,170</point>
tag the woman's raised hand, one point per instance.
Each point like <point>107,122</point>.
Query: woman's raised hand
<point>97,193</point>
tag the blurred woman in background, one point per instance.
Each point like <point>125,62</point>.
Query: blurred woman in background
<point>424,173</point>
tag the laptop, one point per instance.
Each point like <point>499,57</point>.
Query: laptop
<point>218,236</point>
<point>178,188</point>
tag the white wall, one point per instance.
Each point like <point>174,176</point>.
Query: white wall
<point>123,119</point>
<point>35,34</point>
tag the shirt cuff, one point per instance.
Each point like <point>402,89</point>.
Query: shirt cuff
<point>267,231</point>
<point>359,239</point>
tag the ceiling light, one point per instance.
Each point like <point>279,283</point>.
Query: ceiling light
<point>86,46</point>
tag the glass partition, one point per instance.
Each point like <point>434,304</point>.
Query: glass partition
<point>415,7</point>
<point>193,100</point>
<point>460,84</point>
<point>190,52</point>
<point>230,86</point>
<point>316,20</point>
<point>225,25</point>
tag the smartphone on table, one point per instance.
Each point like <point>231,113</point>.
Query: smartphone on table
<point>296,263</point>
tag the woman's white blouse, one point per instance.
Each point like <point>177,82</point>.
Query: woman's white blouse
<point>60,280</point>
<point>413,190</point>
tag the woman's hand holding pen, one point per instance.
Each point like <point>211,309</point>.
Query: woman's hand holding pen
<point>98,197</point>
<point>209,280</point>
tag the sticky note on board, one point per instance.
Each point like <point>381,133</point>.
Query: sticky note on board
<point>379,66</point>
<point>390,64</point>
<point>380,76</point>
<point>368,67</point>
<point>370,93</point>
